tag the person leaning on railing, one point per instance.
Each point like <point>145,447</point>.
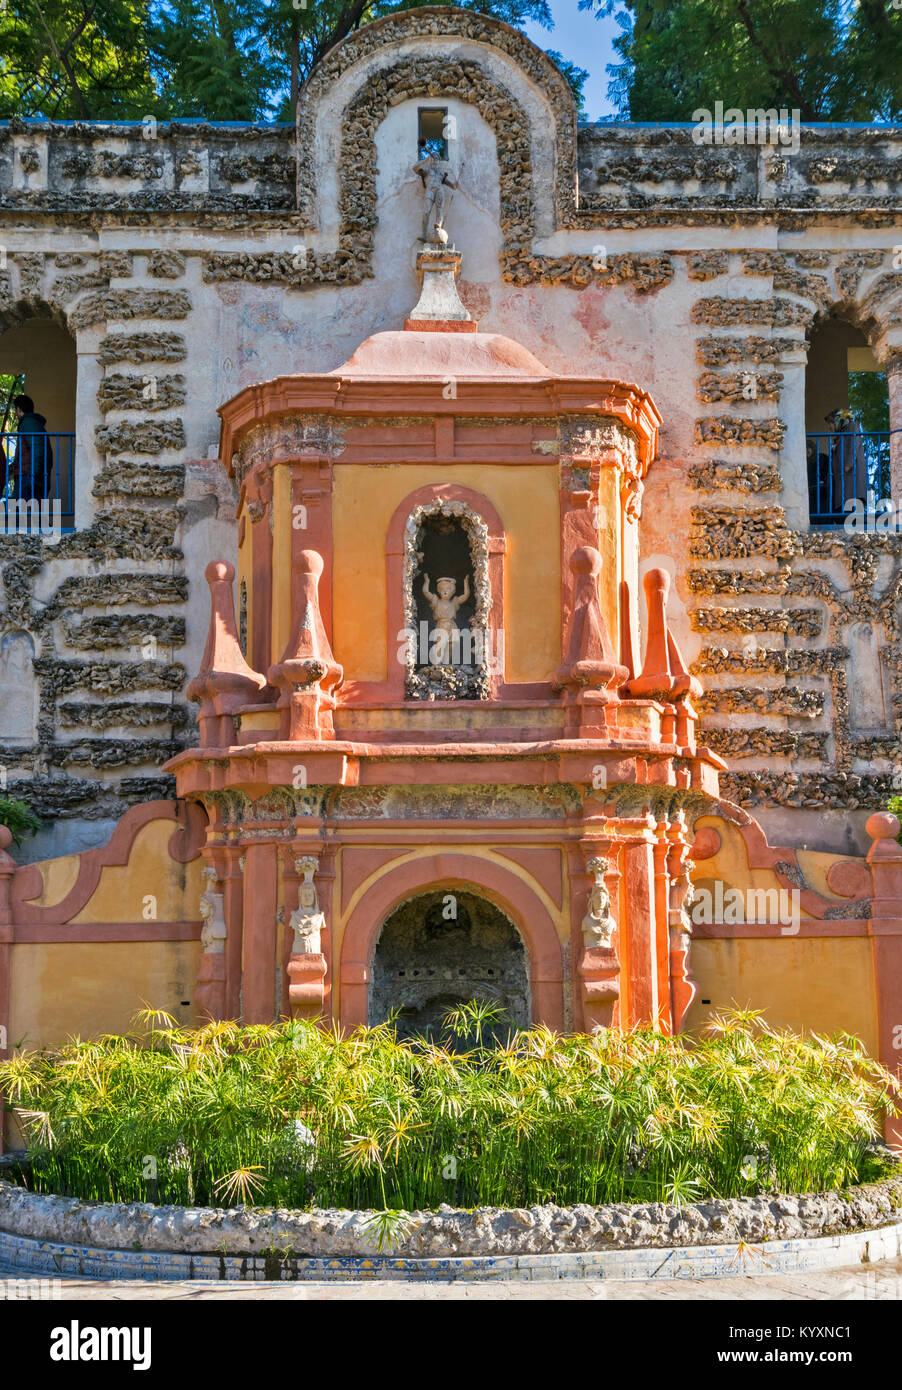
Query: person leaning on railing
<point>29,472</point>
<point>848,459</point>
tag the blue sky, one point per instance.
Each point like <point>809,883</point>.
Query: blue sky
<point>585,40</point>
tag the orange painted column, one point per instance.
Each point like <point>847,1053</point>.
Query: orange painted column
<point>290,882</point>
<point>259,944</point>
<point>639,919</point>
<point>885,927</point>
<point>662,934</point>
<point>578,879</point>
<point>233,907</point>
<point>325,877</point>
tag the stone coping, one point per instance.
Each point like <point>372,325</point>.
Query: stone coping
<point>298,1237</point>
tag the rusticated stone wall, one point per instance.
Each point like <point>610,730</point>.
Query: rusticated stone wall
<point>189,260</point>
<point>106,605</point>
<point>754,570</point>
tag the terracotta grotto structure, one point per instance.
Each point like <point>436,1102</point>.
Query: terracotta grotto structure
<point>558,802</point>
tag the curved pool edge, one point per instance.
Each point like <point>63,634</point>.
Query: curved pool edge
<point>39,1257</point>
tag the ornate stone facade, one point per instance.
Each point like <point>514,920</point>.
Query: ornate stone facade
<point>602,764</point>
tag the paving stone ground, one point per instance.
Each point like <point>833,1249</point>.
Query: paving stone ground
<point>879,1281</point>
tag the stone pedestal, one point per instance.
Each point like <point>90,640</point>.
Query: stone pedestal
<point>210,992</point>
<point>599,970</point>
<point>306,993</point>
<point>439,302</point>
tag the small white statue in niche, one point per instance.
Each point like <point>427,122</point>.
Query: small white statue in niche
<point>443,602</point>
<point>213,932</point>
<point>598,924</point>
<point>445,606</point>
<point>307,922</point>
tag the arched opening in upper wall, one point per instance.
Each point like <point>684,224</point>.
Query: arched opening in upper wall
<point>847,422</point>
<point>38,360</point>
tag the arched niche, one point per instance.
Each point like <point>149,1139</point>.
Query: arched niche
<point>479,533</point>
<point>38,353</point>
<point>35,341</point>
<point>523,904</point>
<point>440,949</point>
<point>514,85</point>
<point>847,457</point>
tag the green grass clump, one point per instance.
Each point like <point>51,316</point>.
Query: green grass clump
<point>19,818</point>
<point>291,1115</point>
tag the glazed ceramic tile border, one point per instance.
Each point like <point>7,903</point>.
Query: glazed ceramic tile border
<point>707,1262</point>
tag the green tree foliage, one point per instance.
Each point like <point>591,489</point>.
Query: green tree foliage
<point>210,58</point>
<point>575,75</point>
<point>222,60</point>
<point>831,60</point>
<point>869,399</point>
<point>19,818</point>
<point>75,59</point>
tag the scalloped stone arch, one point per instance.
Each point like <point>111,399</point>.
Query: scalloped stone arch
<point>387,76</point>
<point>866,295</point>
<point>501,886</point>
<point>22,308</point>
<point>847,311</point>
<point>436,21</point>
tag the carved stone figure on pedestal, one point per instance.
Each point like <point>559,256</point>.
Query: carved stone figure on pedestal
<point>598,924</point>
<point>599,968</point>
<point>436,177</point>
<point>307,922</point>
<point>214,931</point>
<point>307,966</point>
<point>682,896</point>
<point>210,992</point>
<point>444,607</point>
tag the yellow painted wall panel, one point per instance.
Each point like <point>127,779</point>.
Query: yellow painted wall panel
<point>150,872</point>
<point>87,988</point>
<point>822,985</point>
<point>526,498</point>
<point>59,877</point>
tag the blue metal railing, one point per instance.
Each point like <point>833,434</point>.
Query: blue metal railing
<point>845,465</point>
<point>37,482</point>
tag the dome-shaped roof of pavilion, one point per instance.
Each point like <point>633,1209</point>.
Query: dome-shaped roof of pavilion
<point>409,354</point>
